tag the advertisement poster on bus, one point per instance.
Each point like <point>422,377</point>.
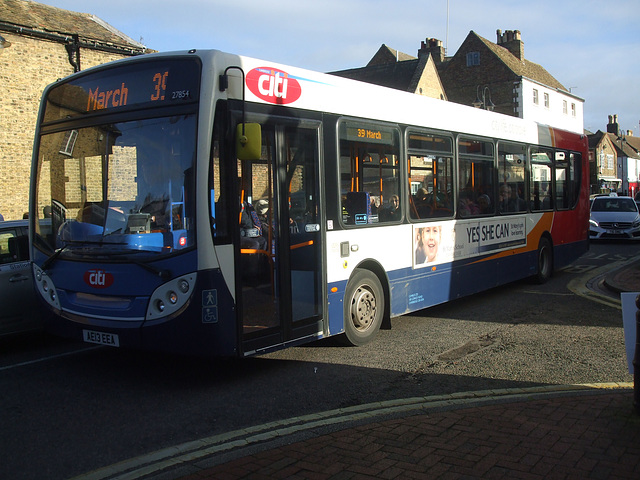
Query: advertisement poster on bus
<point>442,242</point>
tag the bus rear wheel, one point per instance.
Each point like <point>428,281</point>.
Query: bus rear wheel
<point>363,308</point>
<point>545,261</point>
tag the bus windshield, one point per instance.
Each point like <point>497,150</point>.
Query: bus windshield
<point>118,189</point>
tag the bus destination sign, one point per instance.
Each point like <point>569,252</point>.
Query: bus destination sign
<point>139,85</point>
<point>364,133</point>
<point>118,97</point>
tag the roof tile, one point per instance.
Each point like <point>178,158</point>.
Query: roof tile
<point>37,16</point>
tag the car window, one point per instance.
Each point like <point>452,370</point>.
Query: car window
<point>5,255</point>
<point>612,204</point>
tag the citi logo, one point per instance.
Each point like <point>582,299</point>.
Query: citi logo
<point>98,278</point>
<point>273,85</point>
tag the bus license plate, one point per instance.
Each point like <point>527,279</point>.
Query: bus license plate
<point>101,338</point>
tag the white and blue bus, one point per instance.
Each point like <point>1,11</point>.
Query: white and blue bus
<point>212,204</point>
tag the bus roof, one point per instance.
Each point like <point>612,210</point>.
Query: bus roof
<point>277,84</point>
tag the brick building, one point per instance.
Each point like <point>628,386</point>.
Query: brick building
<point>41,44</point>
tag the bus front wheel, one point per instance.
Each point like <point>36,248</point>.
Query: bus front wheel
<point>363,308</point>
<point>545,261</point>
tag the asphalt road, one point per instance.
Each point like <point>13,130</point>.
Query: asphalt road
<point>67,408</point>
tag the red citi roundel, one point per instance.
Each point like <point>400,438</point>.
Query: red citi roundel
<point>98,278</point>
<point>273,85</point>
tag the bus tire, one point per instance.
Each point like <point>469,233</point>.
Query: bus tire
<point>545,261</point>
<point>363,307</point>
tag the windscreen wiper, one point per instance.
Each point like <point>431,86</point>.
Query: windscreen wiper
<point>49,261</point>
<point>162,273</point>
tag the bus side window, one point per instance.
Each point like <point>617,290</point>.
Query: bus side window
<point>575,175</point>
<point>476,173</point>
<point>369,173</point>
<point>562,180</point>
<point>430,162</point>
<point>512,160</point>
<point>540,179</point>
<point>219,191</point>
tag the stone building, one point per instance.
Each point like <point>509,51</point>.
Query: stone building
<point>614,159</point>
<point>628,157</point>
<point>603,159</point>
<point>397,70</point>
<point>40,45</point>
<point>494,76</point>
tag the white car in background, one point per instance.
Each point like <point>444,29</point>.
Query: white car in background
<point>19,307</point>
<point>614,218</point>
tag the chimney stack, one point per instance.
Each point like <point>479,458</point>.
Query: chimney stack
<point>434,47</point>
<point>613,126</point>
<point>512,41</point>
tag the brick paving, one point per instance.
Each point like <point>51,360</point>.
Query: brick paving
<point>590,436</point>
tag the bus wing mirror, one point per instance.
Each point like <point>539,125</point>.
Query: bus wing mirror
<point>249,141</point>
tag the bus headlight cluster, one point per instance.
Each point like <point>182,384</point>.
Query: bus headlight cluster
<point>45,287</point>
<point>171,297</point>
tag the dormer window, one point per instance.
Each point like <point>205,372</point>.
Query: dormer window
<point>473,59</point>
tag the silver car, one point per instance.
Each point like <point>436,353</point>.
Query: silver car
<point>614,217</point>
<point>19,307</point>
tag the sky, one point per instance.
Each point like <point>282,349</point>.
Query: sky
<point>589,46</point>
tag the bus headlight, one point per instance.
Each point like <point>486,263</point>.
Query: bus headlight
<point>45,287</point>
<point>170,297</point>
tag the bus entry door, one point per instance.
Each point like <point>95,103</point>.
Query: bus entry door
<point>281,240</point>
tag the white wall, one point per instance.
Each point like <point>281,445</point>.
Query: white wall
<point>552,115</point>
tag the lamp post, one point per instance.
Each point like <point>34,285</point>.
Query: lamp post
<point>483,98</point>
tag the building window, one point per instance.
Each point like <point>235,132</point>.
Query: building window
<point>535,96</point>
<point>69,142</point>
<point>573,109</point>
<point>564,107</point>
<point>473,58</point>
<point>546,100</point>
